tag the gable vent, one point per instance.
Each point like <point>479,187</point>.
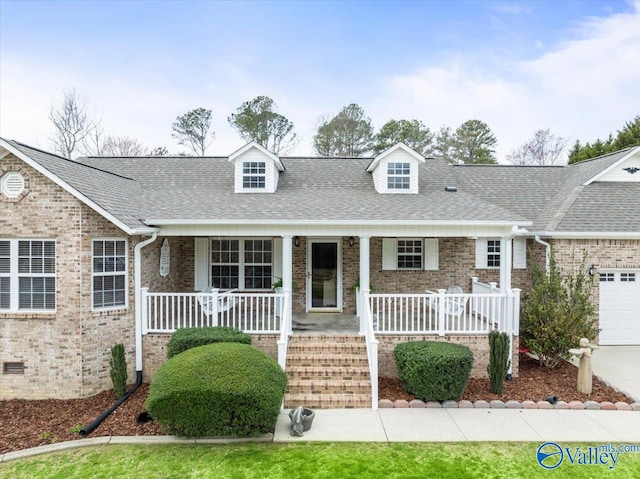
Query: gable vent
<point>12,185</point>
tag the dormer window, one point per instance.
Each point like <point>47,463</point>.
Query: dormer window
<point>398,176</point>
<point>254,174</point>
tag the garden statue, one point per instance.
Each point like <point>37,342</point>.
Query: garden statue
<point>301,420</point>
<point>584,368</point>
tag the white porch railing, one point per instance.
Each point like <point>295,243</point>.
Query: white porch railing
<point>286,330</point>
<point>255,313</point>
<point>444,313</point>
<point>367,329</point>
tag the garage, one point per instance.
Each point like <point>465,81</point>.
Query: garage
<point>619,307</point>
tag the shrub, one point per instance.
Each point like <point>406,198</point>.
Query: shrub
<point>498,360</point>
<point>223,389</point>
<point>434,370</point>
<point>557,312</point>
<point>118,369</point>
<point>188,338</point>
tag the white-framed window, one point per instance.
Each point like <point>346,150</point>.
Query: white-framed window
<point>27,275</point>
<point>410,254</point>
<point>493,253</point>
<point>488,253</point>
<point>239,263</point>
<point>109,273</point>
<point>398,176</point>
<point>254,174</point>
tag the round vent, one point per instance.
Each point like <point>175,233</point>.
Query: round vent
<point>12,184</point>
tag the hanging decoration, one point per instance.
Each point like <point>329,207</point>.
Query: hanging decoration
<point>165,254</point>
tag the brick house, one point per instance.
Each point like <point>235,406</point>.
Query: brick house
<point>105,250</point>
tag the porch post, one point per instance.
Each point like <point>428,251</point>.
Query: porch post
<point>287,269</point>
<point>364,278</point>
<point>505,264</point>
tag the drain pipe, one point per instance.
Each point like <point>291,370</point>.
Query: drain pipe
<point>138,333</point>
<point>547,252</point>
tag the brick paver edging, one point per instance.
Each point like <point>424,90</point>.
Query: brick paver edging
<point>417,404</point>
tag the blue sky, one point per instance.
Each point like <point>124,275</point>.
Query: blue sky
<point>572,66</point>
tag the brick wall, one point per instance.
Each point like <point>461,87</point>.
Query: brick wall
<point>65,353</point>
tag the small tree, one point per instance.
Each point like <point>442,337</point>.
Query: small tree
<point>498,360</point>
<point>118,365</point>
<point>558,312</point>
<point>192,130</point>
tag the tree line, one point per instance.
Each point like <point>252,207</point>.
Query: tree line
<point>349,133</point>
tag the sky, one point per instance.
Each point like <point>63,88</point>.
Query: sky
<point>571,66</point>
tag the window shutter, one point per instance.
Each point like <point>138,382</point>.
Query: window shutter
<point>201,264</point>
<point>277,258</point>
<point>519,253</point>
<point>389,254</point>
<point>481,253</point>
<point>431,254</point>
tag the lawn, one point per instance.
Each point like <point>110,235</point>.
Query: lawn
<point>309,460</point>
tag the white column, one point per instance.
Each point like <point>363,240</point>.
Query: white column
<point>287,268</point>
<point>364,278</point>
<point>505,264</point>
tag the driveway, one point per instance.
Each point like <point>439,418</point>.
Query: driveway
<point>619,366</point>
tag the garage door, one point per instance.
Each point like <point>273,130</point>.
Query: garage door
<point>619,307</point>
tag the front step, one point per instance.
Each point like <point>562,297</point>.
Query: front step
<point>327,371</point>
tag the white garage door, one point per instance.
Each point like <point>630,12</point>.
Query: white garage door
<point>619,307</point>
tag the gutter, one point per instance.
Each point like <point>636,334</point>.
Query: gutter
<point>547,252</point>
<point>138,336</point>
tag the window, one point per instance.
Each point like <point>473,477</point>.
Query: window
<point>607,277</point>
<point>398,176</point>
<point>627,277</point>
<point>242,264</point>
<point>27,275</point>
<point>410,254</point>
<point>109,273</point>
<point>493,253</point>
<point>253,174</point>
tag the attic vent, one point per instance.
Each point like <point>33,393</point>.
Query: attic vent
<point>450,189</point>
<point>12,184</point>
<point>12,368</point>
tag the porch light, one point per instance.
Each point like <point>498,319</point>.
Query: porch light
<point>296,241</point>
<point>591,270</point>
<point>351,240</point>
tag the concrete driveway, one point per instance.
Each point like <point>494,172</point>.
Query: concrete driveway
<point>620,367</point>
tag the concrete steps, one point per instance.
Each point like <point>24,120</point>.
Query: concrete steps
<point>327,372</point>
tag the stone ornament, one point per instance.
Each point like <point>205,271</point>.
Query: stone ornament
<point>584,368</point>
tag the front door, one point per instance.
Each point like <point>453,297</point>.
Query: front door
<point>324,275</point>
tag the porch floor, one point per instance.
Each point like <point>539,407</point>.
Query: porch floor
<point>325,323</point>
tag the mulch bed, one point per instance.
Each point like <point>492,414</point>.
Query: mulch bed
<point>25,424</point>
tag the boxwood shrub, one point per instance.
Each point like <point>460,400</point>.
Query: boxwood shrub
<point>434,370</point>
<point>187,338</point>
<point>223,389</point>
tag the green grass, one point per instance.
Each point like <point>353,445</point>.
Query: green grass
<point>309,460</point>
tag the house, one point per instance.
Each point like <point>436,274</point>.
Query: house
<point>105,250</point>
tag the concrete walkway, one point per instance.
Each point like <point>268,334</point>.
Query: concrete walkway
<point>449,424</point>
<point>620,367</point>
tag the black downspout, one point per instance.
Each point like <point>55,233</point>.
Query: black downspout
<point>97,421</point>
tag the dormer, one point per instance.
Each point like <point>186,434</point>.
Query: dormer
<point>256,169</point>
<point>625,170</point>
<point>395,170</point>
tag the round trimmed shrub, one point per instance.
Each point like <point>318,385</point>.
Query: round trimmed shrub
<point>223,389</point>
<point>434,370</point>
<point>187,338</point>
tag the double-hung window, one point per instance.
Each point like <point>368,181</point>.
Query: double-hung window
<point>109,273</point>
<point>409,254</point>
<point>493,253</point>
<point>398,176</point>
<point>241,263</point>
<point>27,275</point>
<point>254,174</point>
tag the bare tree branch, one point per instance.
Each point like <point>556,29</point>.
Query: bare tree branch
<point>543,149</point>
<point>72,123</point>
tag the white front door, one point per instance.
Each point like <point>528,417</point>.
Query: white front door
<point>619,307</point>
<point>324,275</point>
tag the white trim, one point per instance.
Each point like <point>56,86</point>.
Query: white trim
<point>612,167</point>
<point>590,234</point>
<point>112,273</point>
<point>398,146</point>
<point>276,159</point>
<point>66,186</point>
<point>338,243</point>
<point>195,222</point>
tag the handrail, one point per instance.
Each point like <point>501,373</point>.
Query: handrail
<point>368,330</point>
<point>285,331</point>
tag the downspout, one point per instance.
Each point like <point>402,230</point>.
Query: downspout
<point>137,282</point>
<point>547,252</point>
